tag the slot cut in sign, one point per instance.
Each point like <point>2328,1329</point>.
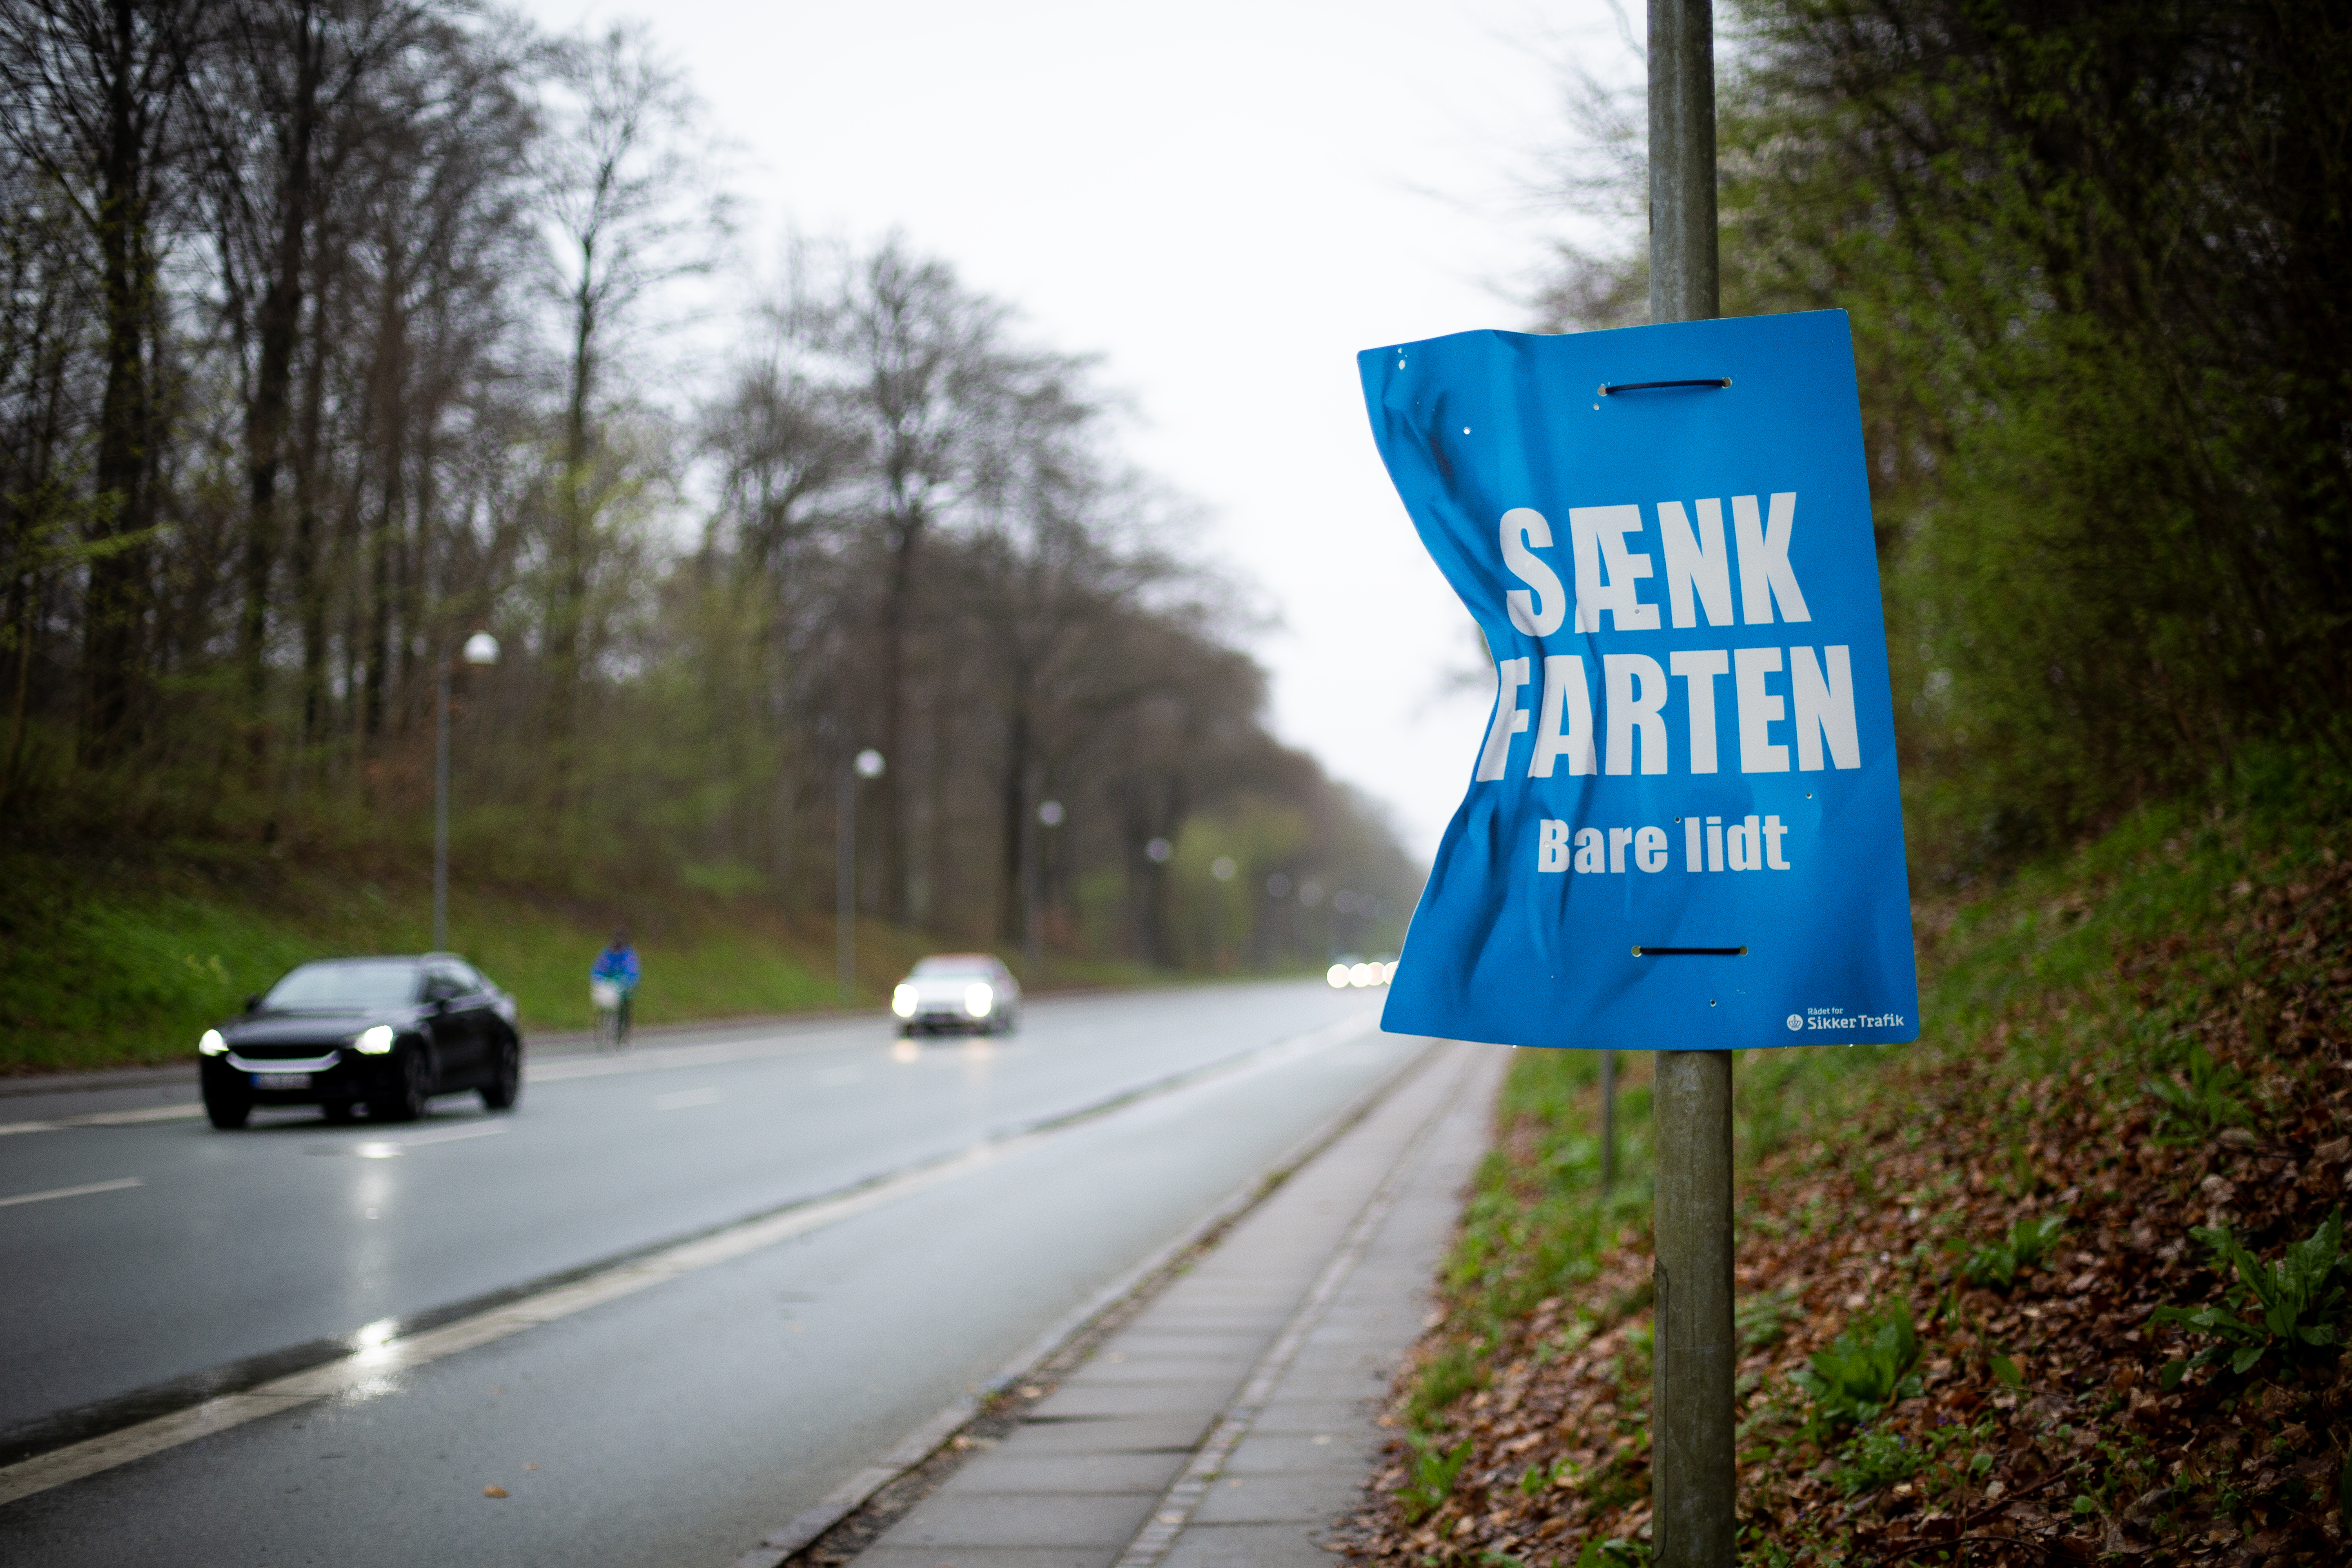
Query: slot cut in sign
<point>1691,754</point>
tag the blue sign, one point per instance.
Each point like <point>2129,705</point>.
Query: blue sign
<point>1682,829</point>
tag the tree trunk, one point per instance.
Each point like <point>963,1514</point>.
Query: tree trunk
<point>279,316</point>
<point>1014,914</point>
<point>384,552</point>
<point>118,578</point>
<point>898,607</point>
<point>309,592</point>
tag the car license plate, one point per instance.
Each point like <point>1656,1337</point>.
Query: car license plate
<point>281,1080</point>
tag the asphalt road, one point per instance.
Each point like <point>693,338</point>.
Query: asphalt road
<point>676,1423</point>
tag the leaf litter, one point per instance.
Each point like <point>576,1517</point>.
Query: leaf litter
<point>2064,1285</point>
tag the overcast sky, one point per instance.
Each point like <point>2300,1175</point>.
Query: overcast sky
<point>1225,201</point>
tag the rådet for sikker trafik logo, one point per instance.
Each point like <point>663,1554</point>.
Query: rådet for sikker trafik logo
<point>1818,1018</point>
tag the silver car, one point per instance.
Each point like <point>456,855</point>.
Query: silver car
<point>959,991</point>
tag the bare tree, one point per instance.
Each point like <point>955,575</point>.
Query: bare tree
<point>631,208</point>
<point>97,88</point>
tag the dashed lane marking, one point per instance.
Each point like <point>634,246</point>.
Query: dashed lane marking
<point>116,1186</point>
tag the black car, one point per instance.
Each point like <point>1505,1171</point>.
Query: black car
<point>385,1033</point>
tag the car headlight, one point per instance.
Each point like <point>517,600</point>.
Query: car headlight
<point>1359,974</point>
<point>1387,973</point>
<point>1338,975</point>
<point>902,1001</point>
<point>978,999</point>
<point>377,1041</point>
<point>211,1043</point>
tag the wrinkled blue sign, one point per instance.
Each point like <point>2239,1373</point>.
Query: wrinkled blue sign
<point>1682,829</point>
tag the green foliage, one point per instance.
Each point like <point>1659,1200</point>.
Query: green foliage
<point>1760,1319</point>
<point>1863,1370</point>
<point>2298,1304</point>
<point>1451,1373</point>
<point>2101,562</point>
<point>134,971</point>
<point>1430,1480</point>
<point>2200,1101</point>
<point>1999,1263</point>
<point>1876,1459</point>
<point>1613,1554</point>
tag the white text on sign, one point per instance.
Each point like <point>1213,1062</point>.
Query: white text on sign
<point>1752,844</point>
<point>1814,711</point>
<point>1780,697</point>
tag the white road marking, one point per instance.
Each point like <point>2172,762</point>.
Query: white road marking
<point>371,1370</point>
<point>393,1148</point>
<point>114,1186</point>
<point>686,1098</point>
<point>106,1119</point>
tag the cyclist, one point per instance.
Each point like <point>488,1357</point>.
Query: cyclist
<point>617,966</point>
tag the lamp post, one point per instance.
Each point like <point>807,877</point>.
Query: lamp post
<point>1033,913</point>
<point>482,651</point>
<point>866,764</point>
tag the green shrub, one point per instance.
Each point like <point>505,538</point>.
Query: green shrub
<point>2200,1101</point>
<point>1999,1263</point>
<point>1431,1481</point>
<point>2299,1302</point>
<point>1866,1369</point>
<point>1451,1373</point>
<point>1613,1554</point>
<point>1875,1459</point>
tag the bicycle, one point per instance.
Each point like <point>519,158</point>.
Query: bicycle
<point>610,1000</point>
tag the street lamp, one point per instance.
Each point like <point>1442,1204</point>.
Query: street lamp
<point>482,651</point>
<point>1033,911</point>
<point>866,764</point>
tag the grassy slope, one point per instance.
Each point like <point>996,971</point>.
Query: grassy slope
<point>118,964</point>
<point>2042,1429</point>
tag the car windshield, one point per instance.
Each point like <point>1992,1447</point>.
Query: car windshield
<point>951,966</point>
<point>345,984</point>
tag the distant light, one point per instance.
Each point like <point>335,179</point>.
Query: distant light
<point>1387,973</point>
<point>1311,894</point>
<point>1222,868</point>
<point>869,763</point>
<point>1338,975</point>
<point>1051,814</point>
<point>1277,886</point>
<point>1344,901</point>
<point>481,648</point>
<point>1361,973</point>
<point>1158,851</point>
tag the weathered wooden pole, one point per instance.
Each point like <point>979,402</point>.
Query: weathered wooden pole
<point>1691,1475</point>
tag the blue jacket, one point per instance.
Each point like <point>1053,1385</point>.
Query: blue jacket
<point>618,964</point>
